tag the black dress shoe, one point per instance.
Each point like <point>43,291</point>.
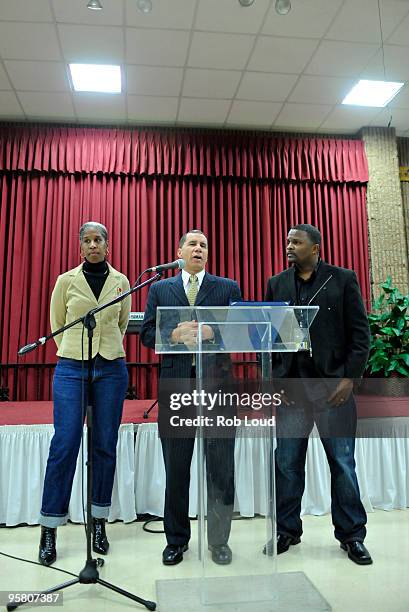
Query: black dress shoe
<point>173,554</point>
<point>100,544</point>
<point>357,552</point>
<point>283,544</point>
<point>47,553</point>
<point>221,554</point>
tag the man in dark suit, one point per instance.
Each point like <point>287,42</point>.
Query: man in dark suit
<point>321,391</point>
<point>194,286</point>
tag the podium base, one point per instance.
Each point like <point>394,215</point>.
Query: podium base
<point>280,592</point>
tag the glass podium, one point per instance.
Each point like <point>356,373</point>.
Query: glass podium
<point>233,422</point>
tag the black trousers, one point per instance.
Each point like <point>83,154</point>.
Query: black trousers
<point>177,455</point>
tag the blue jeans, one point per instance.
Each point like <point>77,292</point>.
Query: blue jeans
<point>337,426</point>
<point>109,385</point>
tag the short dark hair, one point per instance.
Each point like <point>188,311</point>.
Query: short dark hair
<point>313,232</point>
<point>192,231</point>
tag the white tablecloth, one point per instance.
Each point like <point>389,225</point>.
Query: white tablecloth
<point>139,486</point>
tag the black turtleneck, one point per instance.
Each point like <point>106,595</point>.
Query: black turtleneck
<point>96,275</point>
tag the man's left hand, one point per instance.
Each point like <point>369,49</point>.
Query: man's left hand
<point>207,332</point>
<point>342,392</point>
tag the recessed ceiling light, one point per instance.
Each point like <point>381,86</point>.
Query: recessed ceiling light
<point>283,7</point>
<point>144,6</point>
<point>94,5</point>
<point>96,77</point>
<point>246,2</point>
<point>372,93</point>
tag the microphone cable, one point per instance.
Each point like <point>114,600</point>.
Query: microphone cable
<point>153,519</point>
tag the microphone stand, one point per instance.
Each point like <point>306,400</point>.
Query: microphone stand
<point>146,413</point>
<point>89,574</point>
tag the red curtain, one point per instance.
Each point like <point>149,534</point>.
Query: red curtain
<point>148,187</point>
<point>181,153</point>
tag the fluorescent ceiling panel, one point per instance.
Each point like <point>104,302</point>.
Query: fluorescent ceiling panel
<point>96,77</point>
<point>372,93</point>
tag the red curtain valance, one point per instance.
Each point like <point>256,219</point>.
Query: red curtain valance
<point>72,150</point>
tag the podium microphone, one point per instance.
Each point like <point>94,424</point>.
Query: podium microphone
<point>179,264</point>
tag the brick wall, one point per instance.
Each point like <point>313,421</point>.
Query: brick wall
<point>403,153</point>
<point>386,217</point>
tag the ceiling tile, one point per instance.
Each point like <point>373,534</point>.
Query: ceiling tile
<point>382,118</point>
<point>374,69</point>
<point>210,112</point>
<point>4,81</point>
<point>153,80</point>
<point>51,105</point>
<point>152,110</point>
<point>156,47</point>
<point>32,41</point>
<point>76,12</point>
<point>230,16</point>
<point>398,118</point>
<point>9,106</point>
<point>308,116</point>
<point>37,76</point>
<point>339,131</point>
<point>359,21</point>
<point>88,44</point>
<point>340,59</point>
<point>401,34</point>
<point>201,83</point>
<point>266,87</point>
<point>350,118</point>
<point>261,114</point>
<point>228,51</point>
<point>177,14</point>
<point>100,107</point>
<point>288,55</point>
<point>321,90</point>
<point>396,64</point>
<point>21,10</point>
<point>306,19</point>
<point>402,99</point>
<point>220,60</point>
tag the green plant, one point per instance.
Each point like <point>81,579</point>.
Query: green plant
<point>389,325</point>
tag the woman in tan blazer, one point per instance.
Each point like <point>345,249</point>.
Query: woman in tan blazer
<point>76,292</point>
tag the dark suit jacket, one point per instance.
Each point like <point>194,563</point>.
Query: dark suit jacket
<point>214,291</point>
<point>340,331</point>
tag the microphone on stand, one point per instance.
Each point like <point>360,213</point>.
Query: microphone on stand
<point>30,347</point>
<point>179,264</point>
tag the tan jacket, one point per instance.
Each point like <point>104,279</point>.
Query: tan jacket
<point>72,297</point>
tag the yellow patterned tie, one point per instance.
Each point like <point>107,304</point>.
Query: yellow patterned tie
<point>192,292</point>
<point>193,289</point>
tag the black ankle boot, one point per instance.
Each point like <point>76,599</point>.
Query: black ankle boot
<point>100,542</point>
<point>47,552</point>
